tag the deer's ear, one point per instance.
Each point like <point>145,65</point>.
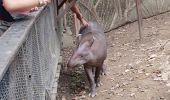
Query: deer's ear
<point>91,41</point>
<point>77,41</point>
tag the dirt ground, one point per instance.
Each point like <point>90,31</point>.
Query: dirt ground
<point>135,70</point>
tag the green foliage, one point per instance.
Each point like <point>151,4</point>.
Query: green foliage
<point>95,1</point>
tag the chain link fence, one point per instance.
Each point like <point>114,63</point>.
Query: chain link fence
<point>30,49</point>
<point>29,57</point>
<point>114,13</point>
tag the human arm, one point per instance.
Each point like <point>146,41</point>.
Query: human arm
<point>22,5</point>
<point>76,10</point>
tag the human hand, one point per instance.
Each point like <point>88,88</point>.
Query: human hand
<point>43,2</point>
<point>82,20</point>
<point>34,9</point>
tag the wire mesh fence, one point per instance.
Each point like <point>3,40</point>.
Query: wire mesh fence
<point>114,13</point>
<point>31,70</point>
<point>28,69</point>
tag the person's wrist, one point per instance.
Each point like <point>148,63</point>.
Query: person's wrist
<point>42,2</point>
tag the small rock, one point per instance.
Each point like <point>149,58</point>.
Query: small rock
<point>142,45</point>
<point>167,48</point>
<point>82,97</point>
<point>133,50</point>
<point>168,91</point>
<point>157,79</point>
<point>125,65</point>
<point>120,94</point>
<point>127,44</point>
<point>119,54</point>
<point>75,98</point>
<point>149,65</point>
<point>153,56</point>
<point>108,98</point>
<point>103,91</point>
<point>165,76</point>
<point>131,79</point>
<point>123,73</point>
<point>132,94</point>
<point>162,98</point>
<point>63,98</point>
<point>138,62</point>
<point>159,75</point>
<point>83,92</point>
<point>113,44</point>
<point>112,59</point>
<point>168,84</point>
<point>112,79</point>
<point>125,83</point>
<point>130,65</point>
<point>112,89</point>
<point>141,71</point>
<point>117,86</point>
<point>147,74</point>
<point>123,30</point>
<point>141,90</point>
<point>127,70</point>
<point>157,72</point>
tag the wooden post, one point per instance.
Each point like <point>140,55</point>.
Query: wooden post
<point>69,5</point>
<point>64,19</point>
<point>76,24</point>
<point>139,15</point>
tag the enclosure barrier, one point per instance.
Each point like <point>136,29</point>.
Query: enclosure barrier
<point>114,13</point>
<point>29,57</point>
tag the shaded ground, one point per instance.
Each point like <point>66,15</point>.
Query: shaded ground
<point>135,70</point>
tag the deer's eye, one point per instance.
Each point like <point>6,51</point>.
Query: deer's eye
<point>81,56</point>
